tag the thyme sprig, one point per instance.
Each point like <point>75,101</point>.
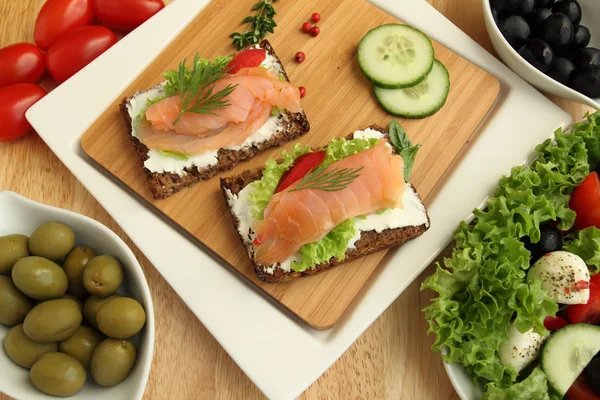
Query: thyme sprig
<point>329,181</point>
<point>260,25</point>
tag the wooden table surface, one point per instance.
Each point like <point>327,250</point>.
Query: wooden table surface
<point>391,360</point>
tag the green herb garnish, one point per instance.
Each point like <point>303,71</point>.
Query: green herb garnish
<point>194,86</point>
<point>328,181</point>
<point>179,156</point>
<point>404,147</point>
<point>260,24</point>
<point>275,111</point>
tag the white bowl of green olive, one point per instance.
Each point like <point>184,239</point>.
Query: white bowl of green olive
<point>76,315</point>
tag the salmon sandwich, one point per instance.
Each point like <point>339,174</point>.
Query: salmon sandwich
<point>315,208</point>
<point>208,117</point>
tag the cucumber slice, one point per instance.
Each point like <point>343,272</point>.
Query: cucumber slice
<point>395,56</point>
<point>567,352</point>
<point>420,101</point>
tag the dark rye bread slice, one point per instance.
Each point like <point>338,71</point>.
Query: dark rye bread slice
<point>369,242</point>
<point>165,184</point>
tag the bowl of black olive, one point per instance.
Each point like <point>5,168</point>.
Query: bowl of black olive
<point>552,44</point>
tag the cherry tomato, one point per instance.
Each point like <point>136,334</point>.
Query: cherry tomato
<point>555,323</point>
<point>21,63</point>
<point>126,15</point>
<point>15,100</point>
<point>579,390</point>
<point>585,201</point>
<point>302,91</point>
<point>77,49</point>
<point>306,27</point>
<point>586,313</point>
<point>58,17</point>
<point>316,17</point>
<point>315,30</point>
<point>300,57</point>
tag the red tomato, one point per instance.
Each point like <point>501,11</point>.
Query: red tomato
<point>77,49</point>
<point>14,101</point>
<point>21,63</point>
<point>588,313</point>
<point>555,323</point>
<point>246,59</point>
<point>585,201</point>
<point>595,279</point>
<point>126,15</point>
<point>58,17</point>
<point>580,391</point>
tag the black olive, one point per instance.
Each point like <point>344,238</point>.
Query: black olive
<point>550,240</point>
<point>526,7</point>
<point>544,3</point>
<point>536,20</point>
<point>592,375</point>
<point>538,54</point>
<point>516,30</point>
<point>587,56</point>
<point>586,80</point>
<point>570,8</point>
<point>504,5</point>
<point>558,30</point>
<point>582,37</point>
<point>561,71</point>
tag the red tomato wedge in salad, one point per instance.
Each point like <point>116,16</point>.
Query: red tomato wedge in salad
<point>580,391</point>
<point>250,58</point>
<point>126,15</point>
<point>302,166</point>
<point>585,201</point>
<point>555,323</point>
<point>294,218</point>
<point>588,313</point>
<point>59,17</point>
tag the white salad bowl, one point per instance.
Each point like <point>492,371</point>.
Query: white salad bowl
<point>591,16</point>
<point>21,215</point>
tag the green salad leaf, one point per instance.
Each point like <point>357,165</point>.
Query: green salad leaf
<point>178,156</point>
<point>586,244</point>
<point>404,147</point>
<point>141,117</point>
<point>482,287</point>
<point>534,387</point>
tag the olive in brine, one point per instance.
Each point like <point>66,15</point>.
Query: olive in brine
<point>504,5</point>
<point>550,240</point>
<point>52,321</point>
<point>582,37</point>
<point>525,8</point>
<point>39,278</point>
<point>76,300</point>
<point>92,305</point>
<point>515,30</point>
<point>52,240</point>
<point>121,318</point>
<point>14,305</point>
<point>74,265</point>
<point>586,80</point>
<point>81,344</point>
<point>112,361</point>
<point>587,56</point>
<point>538,54</point>
<point>558,31</point>
<point>23,350</point>
<point>58,374</point>
<point>102,276</point>
<point>12,249</point>
<point>561,70</point>
<point>570,8</point>
<point>544,3</point>
<point>536,20</point>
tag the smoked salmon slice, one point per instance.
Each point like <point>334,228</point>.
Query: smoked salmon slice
<point>293,219</point>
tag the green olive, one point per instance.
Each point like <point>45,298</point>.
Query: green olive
<point>23,350</point>
<point>76,300</point>
<point>73,266</point>
<point>39,278</point>
<point>102,276</point>
<point>112,361</point>
<point>14,305</point>
<point>52,240</point>
<point>82,344</point>
<point>58,374</point>
<point>92,305</point>
<point>52,321</point>
<point>12,249</point>
<point>121,318</point>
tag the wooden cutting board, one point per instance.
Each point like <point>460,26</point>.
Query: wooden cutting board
<point>339,101</point>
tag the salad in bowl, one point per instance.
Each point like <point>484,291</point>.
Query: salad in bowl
<point>518,301</point>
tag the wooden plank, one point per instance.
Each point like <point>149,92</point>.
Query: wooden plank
<point>339,101</point>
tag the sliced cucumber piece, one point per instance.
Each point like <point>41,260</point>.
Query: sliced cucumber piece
<point>567,352</point>
<point>395,56</point>
<point>420,101</point>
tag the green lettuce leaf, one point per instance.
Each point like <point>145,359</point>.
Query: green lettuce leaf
<point>178,156</point>
<point>534,387</point>
<point>482,286</point>
<point>586,244</point>
<point>332,245</point>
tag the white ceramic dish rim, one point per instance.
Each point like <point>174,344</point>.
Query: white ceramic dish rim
<point>133,268</point>
<point>202,282</point>
<point>487,14</point>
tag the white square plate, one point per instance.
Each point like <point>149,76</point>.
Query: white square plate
<point>222,301</point>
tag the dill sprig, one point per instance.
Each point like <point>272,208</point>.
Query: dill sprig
<point>196,88</point>
<point>329,181</point>
<point>260,25</point>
